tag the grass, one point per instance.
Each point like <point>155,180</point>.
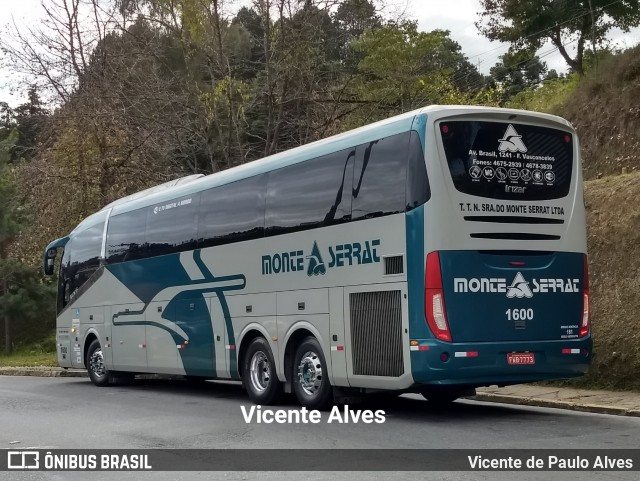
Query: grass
<point>42,353</point>
<point>26,358</point>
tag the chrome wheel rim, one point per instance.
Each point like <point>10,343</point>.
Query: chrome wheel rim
<point>260,369</point>
<point>310,373</point>
<point>96,363</point>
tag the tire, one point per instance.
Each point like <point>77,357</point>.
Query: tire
<point>98,372</point>
<point>259,376</point>
<point>441,398</point>
<point>309,377</point>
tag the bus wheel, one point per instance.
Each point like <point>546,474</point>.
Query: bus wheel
<point>310,380</point>
<point>98,372</point>
<point>259,373</point>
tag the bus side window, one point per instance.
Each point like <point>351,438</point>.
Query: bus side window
<point>380,176</point>
<point>63,279</point>
<point>418,190</point>
<point>126,236</point>
<point>66,292</point>
<point>310,194</point>
<point>172,226</point>
<point>232,212</point>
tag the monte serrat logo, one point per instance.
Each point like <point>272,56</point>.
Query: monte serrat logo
<point>316,264</point>
<point>511,141</point>
<point>348,254</point>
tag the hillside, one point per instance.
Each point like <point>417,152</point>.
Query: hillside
<point>605,109</point>
<point>604,106</point>
<point>613,220</point>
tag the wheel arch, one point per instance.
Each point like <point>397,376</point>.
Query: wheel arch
<point>248,334</point>
<point>89,337</point>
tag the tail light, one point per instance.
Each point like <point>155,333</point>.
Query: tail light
<point>434,299</point>
<point>585,325</point>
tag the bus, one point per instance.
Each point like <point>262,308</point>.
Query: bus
<point>433,252</point>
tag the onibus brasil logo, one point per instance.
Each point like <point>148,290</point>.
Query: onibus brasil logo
<point>339,255</point>
<point>519,287</point>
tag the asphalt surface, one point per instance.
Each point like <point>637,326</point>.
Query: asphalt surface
<point>67,413</point>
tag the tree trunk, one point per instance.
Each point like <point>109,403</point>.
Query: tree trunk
<point>7,322</point>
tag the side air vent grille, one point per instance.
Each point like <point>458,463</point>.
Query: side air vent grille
<point>393,265</point>
<point>512,219</point>
<point>376,333</point>
<point>514,236</point>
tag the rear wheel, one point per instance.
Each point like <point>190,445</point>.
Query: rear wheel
<point>259,373</point>
<point>310,379</point>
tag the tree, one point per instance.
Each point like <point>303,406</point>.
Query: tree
<point>516,72</point>
<point>527,24</point>
<point>23,294</point>
<point>402,68</point>
<point>29,118</point>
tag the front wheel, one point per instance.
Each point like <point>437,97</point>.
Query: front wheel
<point>259,373</point>
<point>98,372</point>
<point>310,378</point>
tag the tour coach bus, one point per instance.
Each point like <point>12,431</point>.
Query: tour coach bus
<point>433,252</point>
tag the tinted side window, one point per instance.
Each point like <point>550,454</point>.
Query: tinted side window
<point>85,255</point>
<point>126,236</point>
<point>380,177</point>
<point>172,226</point>
<point>311,194</point>
<point>232,212</point>
<point>86,247</point>
<point>418,191</point>
<point>63,280</point>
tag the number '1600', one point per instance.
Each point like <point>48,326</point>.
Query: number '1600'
<point>519,314</point>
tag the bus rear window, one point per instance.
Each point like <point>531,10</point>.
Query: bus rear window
<point>508,161</point>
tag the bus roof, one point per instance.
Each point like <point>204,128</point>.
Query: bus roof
<point>384,128</point>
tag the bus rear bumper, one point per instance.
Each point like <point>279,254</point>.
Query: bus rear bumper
<point>438,363</point>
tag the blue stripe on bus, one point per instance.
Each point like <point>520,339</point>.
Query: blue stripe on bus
<point>415,273</point>
<point>233,360</point>
<point>146,278</point>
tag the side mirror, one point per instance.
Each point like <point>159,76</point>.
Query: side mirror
<point>49,262</point>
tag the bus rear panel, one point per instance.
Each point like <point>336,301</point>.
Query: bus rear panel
<point>505,277</point>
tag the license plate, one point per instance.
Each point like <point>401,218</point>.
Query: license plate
<point>519,358</point>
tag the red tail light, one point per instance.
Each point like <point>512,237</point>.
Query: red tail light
<point>434,299</point>
<point>585,325</point>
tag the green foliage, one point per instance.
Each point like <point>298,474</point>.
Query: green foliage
<point>9,215</point>
<point>26,300</point>
<point>516,72</point>
<point>402,68</point>
<point>527,24</point>
<point>39,353</point>
<point>550,97</point>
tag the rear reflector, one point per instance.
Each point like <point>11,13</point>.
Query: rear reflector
<point>418,348</point>
<point>466,354</point>
<point>571,351</point>
<point>434,299</point>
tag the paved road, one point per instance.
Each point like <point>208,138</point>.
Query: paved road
<point>72,413</point>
